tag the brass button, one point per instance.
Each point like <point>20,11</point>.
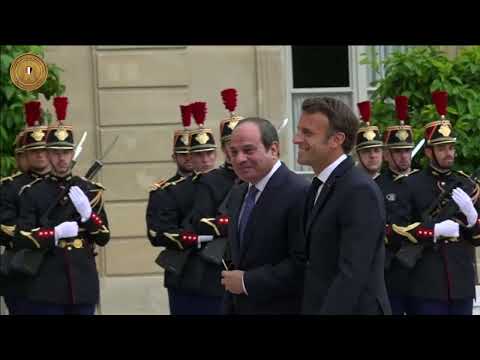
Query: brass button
<point>77,244</point>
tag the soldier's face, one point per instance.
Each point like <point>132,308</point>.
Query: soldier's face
<point>371,159</point>
<point>316,146</point>
<point>444,155</point>
<point>184,162</point>
<point>37,159</point>
<point>60,160</point>
<point>251,161</point>
<point>399,160</point>
<point>22,162</point>
<point>204,161</point>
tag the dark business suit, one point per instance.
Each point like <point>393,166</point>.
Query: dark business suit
<point>344,236</point>
<point>270,253</point>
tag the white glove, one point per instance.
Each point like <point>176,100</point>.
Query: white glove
<point>465,205</point>
<point>65,230</point>
<point>447,228</point>
<point>81,202</point>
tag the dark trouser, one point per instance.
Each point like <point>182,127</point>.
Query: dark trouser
<point>401,305</point>
<point>25,307</point>
<point>184,303</point>
<point>422,306</point>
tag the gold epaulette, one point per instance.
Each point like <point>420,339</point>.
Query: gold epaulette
<point>169,183</point>
<point>460,172</point>
<point>97,184</point>
<point>11,177</point>
<point>98,198</point>
<point>157,185</point>
<point>29,185</point>
<point>475,194</point>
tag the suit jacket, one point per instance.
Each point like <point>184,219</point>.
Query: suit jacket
<point>345,249</point>
<point>271,253</point>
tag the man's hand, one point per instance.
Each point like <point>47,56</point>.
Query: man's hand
<point>233,281</point>
<point>447,228</point>
<point>81,202</point>
<point>465,205</point>
<point>66,229</point>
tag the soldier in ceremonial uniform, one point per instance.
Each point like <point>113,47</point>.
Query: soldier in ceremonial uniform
<point>181,152</point>
<point>369,145</point>
<point>398,145</point>
<point>21,168</point>
<point>206,218</point>
<point>168,227</point>
<point>182,157</point>
<point>64,229</point>
<point>21,161</point>
<point>33,162</point>
<point>443,223</point>
<point>208,215</point>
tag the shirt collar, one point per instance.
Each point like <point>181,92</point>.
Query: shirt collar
<point>264,181</point>
<point>325,173</point>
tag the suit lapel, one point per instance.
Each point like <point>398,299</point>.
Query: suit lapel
<point>237,202</point>
<point>327,190</point>
<point>322,198</point>
<point>265,201</point>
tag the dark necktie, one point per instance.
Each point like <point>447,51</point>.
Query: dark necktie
<point>312,194</point>
<point>249,204</point>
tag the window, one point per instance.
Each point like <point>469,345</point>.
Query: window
<point>330,71</point>
<point>320,66</point>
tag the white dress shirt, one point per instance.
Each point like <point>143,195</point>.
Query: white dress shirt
<point>260,185</point>
<point>325,173</point>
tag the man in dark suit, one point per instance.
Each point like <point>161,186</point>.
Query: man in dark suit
<point>266,270</point>
<point>344,219</point>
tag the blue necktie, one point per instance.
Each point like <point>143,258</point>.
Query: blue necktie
<point>249,204</point>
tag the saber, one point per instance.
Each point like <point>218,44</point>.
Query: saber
<point>418,147</point>
<point>109,148</point>
<point>98,164</point>
<point>92,171</point>
<point>78,150</point>
<point>282,125</point>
